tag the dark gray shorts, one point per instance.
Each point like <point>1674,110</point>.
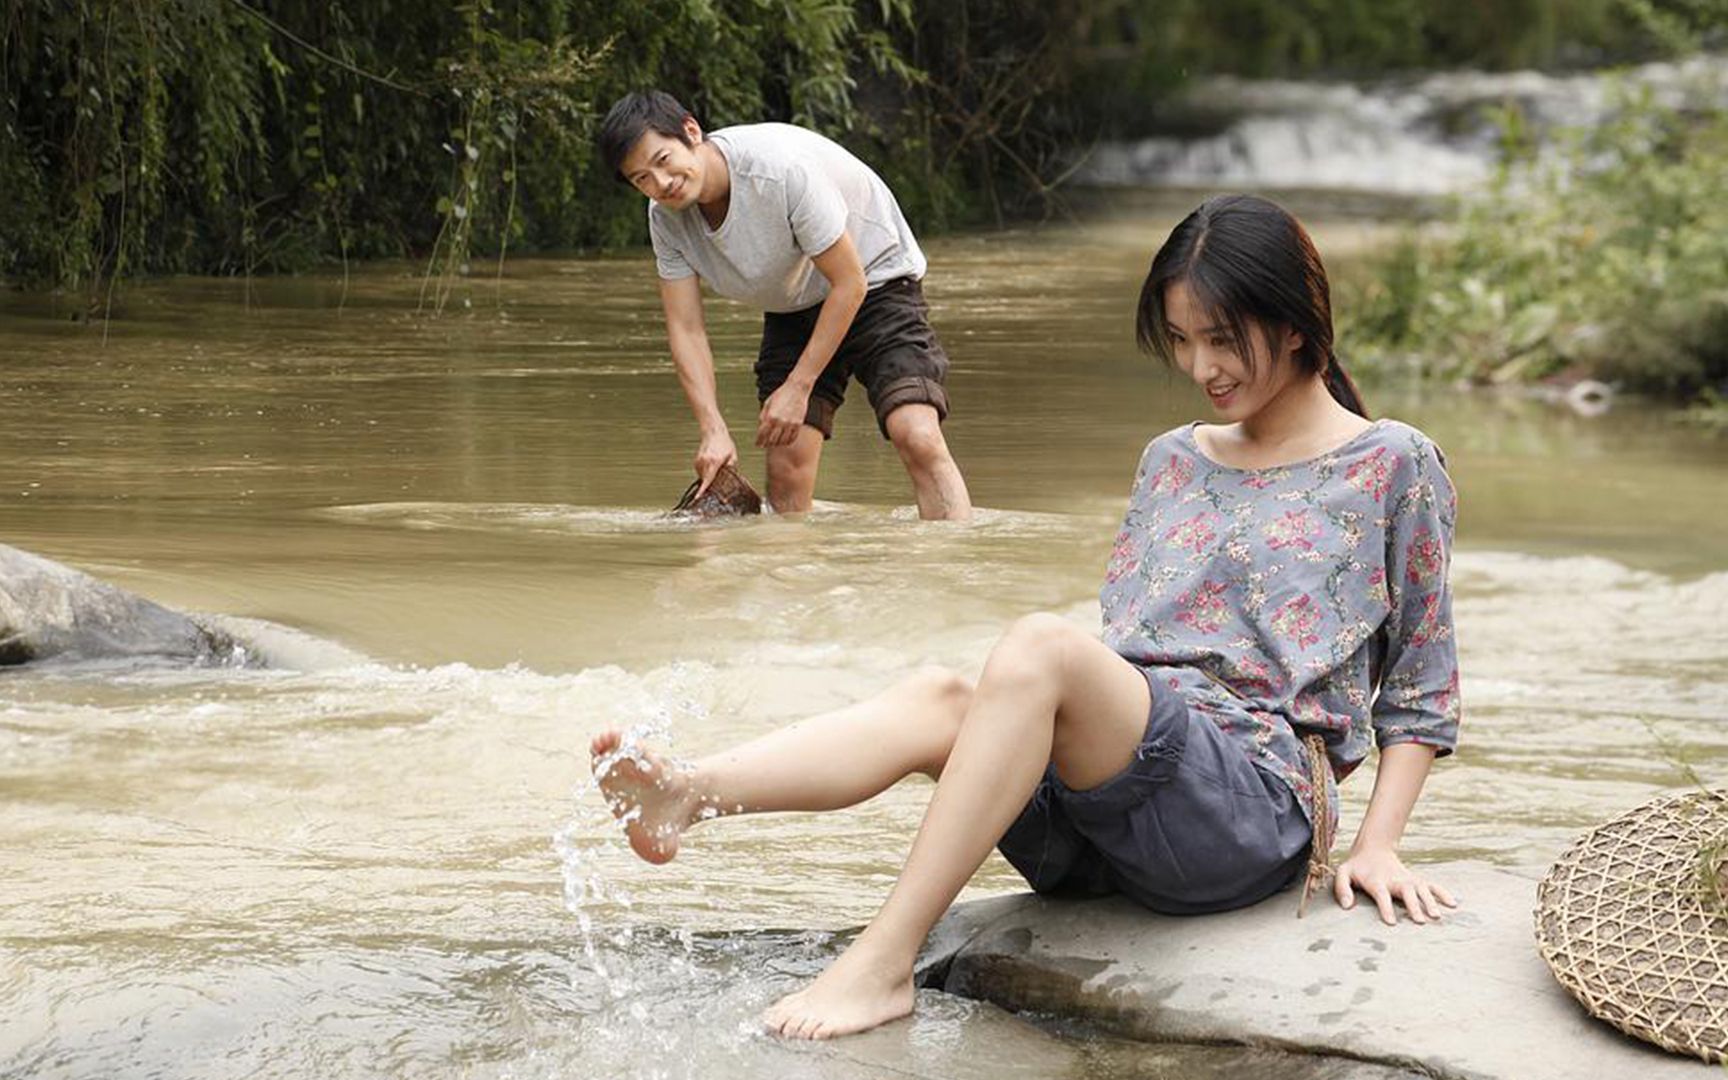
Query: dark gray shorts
<point>890,347</point>
<point>1190,826</point>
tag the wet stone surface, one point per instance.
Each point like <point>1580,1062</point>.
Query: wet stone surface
<point>1467,997</point>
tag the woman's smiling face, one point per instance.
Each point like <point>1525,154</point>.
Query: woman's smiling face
<point>1205,349</point>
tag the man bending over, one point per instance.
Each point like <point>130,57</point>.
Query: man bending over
<point>784,219</point>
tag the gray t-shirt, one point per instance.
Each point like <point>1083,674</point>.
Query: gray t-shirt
<point>793,193</point>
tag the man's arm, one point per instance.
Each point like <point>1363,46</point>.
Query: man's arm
<point>783,413</point>
<point>688,337</point>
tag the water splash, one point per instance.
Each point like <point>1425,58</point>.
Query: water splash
<point>588,894</point>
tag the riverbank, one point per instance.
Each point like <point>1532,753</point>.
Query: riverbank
<point>1605,261</point>
<point>1556,230</point>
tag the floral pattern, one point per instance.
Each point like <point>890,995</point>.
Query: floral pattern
<point>1425,559</point>
<point>1260,595</point>
<point>1372,475</point>
<point>1203,607</point>
<point>1122,559</point>
<point>1296,620</point>
<point>1195,534</point>
<point>1295,529</point>
<point>1173,477</point>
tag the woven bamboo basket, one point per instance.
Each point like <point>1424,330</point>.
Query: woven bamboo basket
<point>729,495</point>
<point>1633,921</point>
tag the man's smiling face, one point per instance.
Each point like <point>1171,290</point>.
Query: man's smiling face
<point>666,169</point>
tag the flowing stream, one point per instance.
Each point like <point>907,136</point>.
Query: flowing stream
<point>1421,135</point>
<point>381,855</point>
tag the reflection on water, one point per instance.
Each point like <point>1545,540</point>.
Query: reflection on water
<point>447,535</point>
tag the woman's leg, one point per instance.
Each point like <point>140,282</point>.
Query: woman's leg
<point>834,760</point>
<point>1049,693</point>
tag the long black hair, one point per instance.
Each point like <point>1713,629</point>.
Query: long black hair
<point>1249,261</point>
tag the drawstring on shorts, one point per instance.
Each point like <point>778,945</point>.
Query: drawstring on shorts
<point>1320,814</point>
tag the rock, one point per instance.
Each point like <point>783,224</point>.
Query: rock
<point>1468,997</point>
<point>1590,397</point>
<point>49,610</point>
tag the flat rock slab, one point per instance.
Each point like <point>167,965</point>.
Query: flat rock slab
<point>1466,997</point>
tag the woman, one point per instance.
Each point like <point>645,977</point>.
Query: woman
<point>1277,597</point>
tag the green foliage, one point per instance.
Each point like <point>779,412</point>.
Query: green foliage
<point>1709,411</point>
<point>213,135</point>
<point>1305,37</point>
<point>239,136</point>
<point>1609,260</point>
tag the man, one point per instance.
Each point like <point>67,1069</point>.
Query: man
<point>779,217</point>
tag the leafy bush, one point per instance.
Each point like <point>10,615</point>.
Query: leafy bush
<point>218,136</point>
<point>1608,259</point>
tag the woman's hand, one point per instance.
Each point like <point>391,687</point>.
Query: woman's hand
<point>1382,875</point>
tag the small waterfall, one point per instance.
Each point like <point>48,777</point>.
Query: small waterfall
<point>1434,135</point>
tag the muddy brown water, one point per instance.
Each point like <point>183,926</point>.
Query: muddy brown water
<point>379,858</point>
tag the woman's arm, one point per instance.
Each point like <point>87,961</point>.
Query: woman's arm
<point>1415,714</point>
<point>1373,864</point>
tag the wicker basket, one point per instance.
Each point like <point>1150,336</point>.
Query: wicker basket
<point>1633,921</point>
<point>729,495</point>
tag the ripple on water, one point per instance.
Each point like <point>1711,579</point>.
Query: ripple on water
<point>603,521</point>
<point>348,868</point>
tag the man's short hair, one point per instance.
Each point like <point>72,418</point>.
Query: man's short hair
<point>635,115</point>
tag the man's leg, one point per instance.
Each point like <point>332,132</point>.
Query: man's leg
<point>792,469</point>
<point>834,760</point>
<point>916,431</point>
<point>1050,693</point>
<point>792,472</point>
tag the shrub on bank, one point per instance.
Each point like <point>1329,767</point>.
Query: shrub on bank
<point>1607,259</point>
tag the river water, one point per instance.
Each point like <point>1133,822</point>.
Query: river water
<point>381,855</point>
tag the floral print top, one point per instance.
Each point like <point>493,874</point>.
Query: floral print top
<point>1276,600</point>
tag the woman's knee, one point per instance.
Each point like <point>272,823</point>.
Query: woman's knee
<point>943,687</point>
<point>942,698</point>
<point>1036,648</point>
<point>1042,632</point>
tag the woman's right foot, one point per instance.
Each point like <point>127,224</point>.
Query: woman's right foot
<point>860,990</point>
<point>654,798</point>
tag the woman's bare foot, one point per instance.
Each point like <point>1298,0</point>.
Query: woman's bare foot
<point>859,991</point>
<point>654,798</point>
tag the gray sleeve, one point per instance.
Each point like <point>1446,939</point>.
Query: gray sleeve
<point>1418,700</point>
<point>814,207</point>
<point>668,258</point>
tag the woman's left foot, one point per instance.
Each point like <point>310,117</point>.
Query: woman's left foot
<point>859,991</point>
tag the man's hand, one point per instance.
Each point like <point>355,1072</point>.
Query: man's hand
<point>715,451</point>
<point>782,415</point>
<point>1380,873</point>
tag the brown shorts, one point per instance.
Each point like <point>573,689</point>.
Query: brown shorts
<point>890,347</point>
